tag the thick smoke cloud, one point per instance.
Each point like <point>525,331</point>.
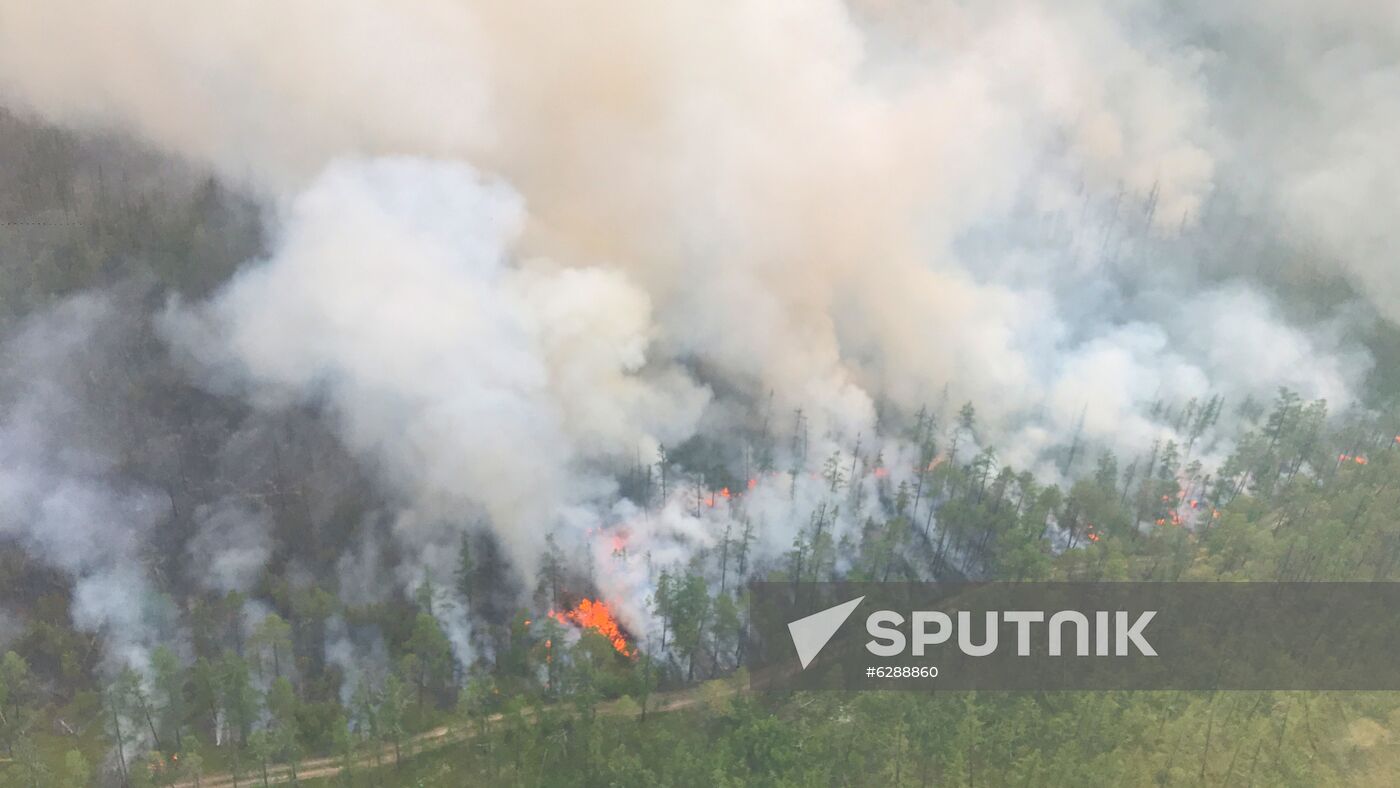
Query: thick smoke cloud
<point>476,385</point>
<point>807,185</point>
<point>517,245</point>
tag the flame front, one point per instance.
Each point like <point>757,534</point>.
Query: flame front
<point>595,615</point>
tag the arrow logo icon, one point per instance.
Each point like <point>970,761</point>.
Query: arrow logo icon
<point>811,634</point>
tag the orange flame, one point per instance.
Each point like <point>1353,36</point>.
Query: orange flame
<point>596,615</point>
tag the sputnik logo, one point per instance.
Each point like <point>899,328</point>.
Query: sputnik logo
<point>811,634</point>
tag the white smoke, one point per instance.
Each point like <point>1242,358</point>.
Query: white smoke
<point>58,496</point>
<point>231,547</point>
<point>473,383</point>
<point>515,249</point>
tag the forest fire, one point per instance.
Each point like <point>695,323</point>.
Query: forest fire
<point>595,614</point>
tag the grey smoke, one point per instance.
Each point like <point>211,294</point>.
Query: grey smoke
<point>231,547</point>
<point>61,492</point>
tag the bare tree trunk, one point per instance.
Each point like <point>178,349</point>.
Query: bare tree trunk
<point>121,750</point>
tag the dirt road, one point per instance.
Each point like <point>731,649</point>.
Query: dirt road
<point>414,745</point>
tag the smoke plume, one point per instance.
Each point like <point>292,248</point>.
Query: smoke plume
<point>516,248</point>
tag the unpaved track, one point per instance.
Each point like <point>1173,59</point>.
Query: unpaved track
<point>414,745</point>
